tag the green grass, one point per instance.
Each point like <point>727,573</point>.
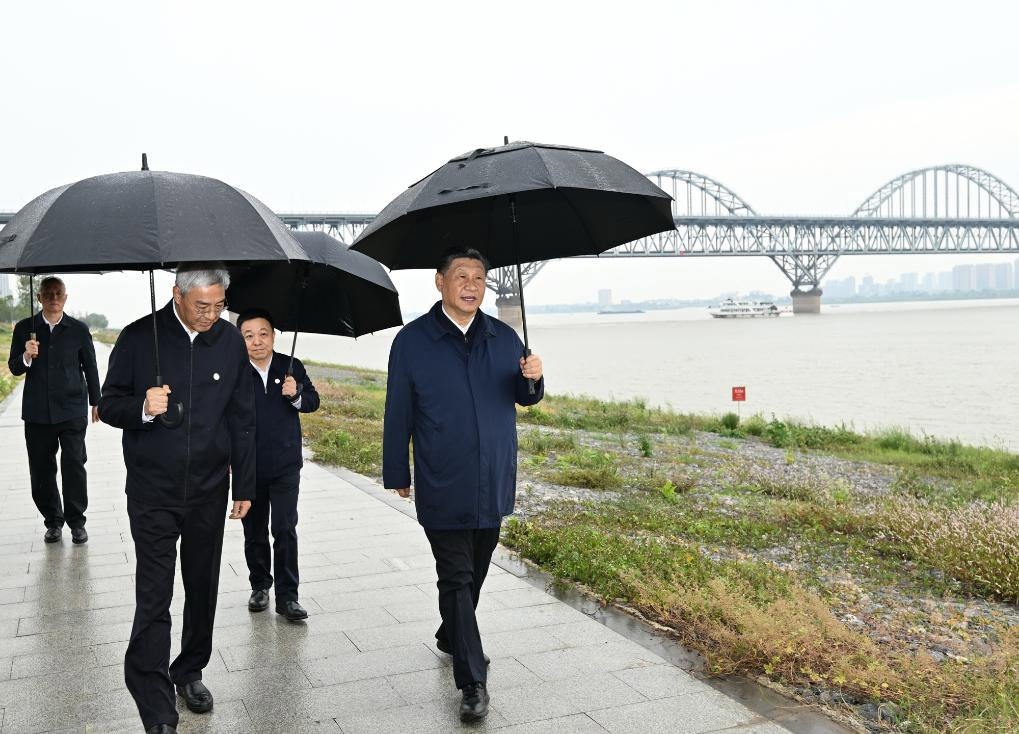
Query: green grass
<point>686,533</point>
<point>587,468</point>
<point>7,381</point>
<point>748,617</point>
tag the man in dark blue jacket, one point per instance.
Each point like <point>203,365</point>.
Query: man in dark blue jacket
<point>455,378</point>
<point>178,478</point>
<point>57,354</point>
<point>281,395</point>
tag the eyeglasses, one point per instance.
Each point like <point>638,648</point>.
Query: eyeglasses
<point>205,309</point>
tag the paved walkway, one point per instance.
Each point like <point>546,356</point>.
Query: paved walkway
<point>364,662</point>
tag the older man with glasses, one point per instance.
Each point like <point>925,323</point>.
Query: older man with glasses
<point>178,477</point>
<point>56,353</point>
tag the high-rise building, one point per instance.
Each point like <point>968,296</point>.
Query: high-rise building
<point>962,278</point>
<point>909,282</point>
<point>605,297</point>
<point>945,281</point>
<point>1003,277</point>
<point>983,277</point>
<point>867,286</point>
<point>5,286</point>
<point>930,283</point>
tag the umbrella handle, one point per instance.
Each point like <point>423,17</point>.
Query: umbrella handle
<point>173,416</point>
<point>530,382</point>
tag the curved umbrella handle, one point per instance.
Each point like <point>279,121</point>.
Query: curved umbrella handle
<point>173,416</point>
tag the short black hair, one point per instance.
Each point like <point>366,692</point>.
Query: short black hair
<point>254,313</point>
<point>454,253</point>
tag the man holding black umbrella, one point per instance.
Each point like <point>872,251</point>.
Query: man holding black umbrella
<point>282,391</point>
<point>178,476</point>
<point>62,380</point>
<point>455,378</point>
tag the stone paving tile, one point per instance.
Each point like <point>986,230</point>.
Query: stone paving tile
<point>294,711</point>
<point>600,658</point>
<point>437,683</point>
<point>576,724</point>
<point>577,694</point>
<point>431,717</point>
<point>659,681</point>
<point>324,671</point>
<point>693,714</point>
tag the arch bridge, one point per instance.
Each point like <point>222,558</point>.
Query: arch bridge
<point>951,208</point>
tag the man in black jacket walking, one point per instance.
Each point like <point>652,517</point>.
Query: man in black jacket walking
<point>178,479</point>
<point>279,399</point>
<point>62,381</point>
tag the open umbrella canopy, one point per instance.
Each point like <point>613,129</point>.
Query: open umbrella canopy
<point>142,220</point>
<point>568,201</point>
<point>337,292</point>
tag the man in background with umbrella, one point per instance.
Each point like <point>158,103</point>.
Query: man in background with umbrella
<point>62,381</point>
<point>281,393</point>
<point>178,476</point>
<point>455,377</point>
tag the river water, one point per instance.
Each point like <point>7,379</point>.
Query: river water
<point>944,368</point>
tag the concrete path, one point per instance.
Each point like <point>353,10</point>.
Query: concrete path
<point>364,661</point>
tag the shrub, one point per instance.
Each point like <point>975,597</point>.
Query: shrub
<point>730,421</point>
<point>644,446</point>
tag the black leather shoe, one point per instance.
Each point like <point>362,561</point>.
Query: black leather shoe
<point>444,647</point>
<point>197,697</point>
<point>52,535</point>
<point>79,536</point>
<point>161,729</point>
<point>259,600</point>
<point>293,611</point>
<point>474,705</point>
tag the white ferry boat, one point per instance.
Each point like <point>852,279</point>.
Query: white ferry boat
<point>731,309</point>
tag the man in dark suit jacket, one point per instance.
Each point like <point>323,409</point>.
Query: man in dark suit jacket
<point>62,381</point>
<point>456,376</point>
<point>279,399</point>
<point>178,478</point>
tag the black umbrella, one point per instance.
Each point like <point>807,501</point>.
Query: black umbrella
<point>337,292</point>
<point>143,220</point>
<point>518,203</point>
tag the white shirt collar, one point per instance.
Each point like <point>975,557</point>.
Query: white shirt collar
<point>457,323</point>
<point>191,334</point>
<point>263,373</point>
<point>55,323</point>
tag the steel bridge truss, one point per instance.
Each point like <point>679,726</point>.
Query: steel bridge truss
<point>943,209</point>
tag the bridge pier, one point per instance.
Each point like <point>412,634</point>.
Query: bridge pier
<point>806,301</point>
<point>509,311</point>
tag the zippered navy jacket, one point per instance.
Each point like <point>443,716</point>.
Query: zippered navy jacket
<point>190,464</point>
<point>457,400</point>
<point>278,424</point>
<point>63,380</point>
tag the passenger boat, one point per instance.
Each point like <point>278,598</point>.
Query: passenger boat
<point>732,309</point>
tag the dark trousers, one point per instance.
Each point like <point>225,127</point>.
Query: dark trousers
<point>462,558</point>
<point>42,441</point>
<point>149,675</point>
<point>275,506</point>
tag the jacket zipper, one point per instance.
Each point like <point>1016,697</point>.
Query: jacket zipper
<point>187,435</point>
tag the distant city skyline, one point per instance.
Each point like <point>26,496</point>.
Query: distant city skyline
<point>969,277</point>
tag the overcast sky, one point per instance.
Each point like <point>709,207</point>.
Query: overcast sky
<point>800,107</point>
